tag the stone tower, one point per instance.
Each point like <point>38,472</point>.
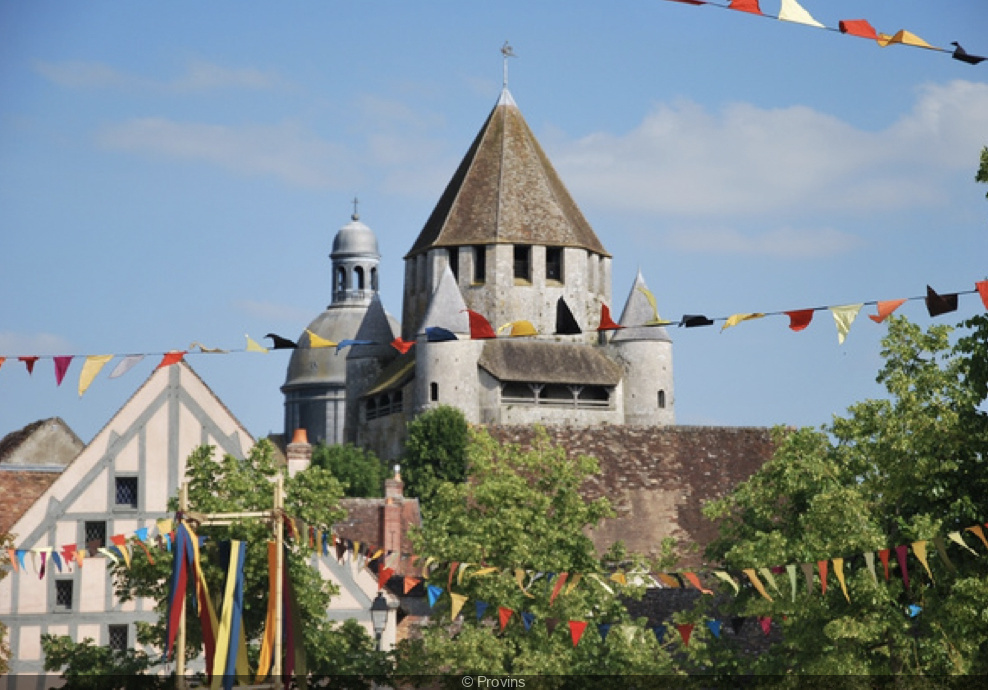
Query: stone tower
<point>315,387</point>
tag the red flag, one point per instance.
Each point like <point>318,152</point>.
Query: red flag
<point>766,622</point>
<point>822,567</point>
<point>606,322</point>
<point>504,615</point>
<point>28,362</point>
<point>983,291</point>
<point>480,328</point>
<point>2,360</point>
<point>798,320</point>
<point>745,6</point>
<point>452,572</point>
<point>171,358</point>
<point>685,630</point>
<point>402,346</point>
<point>576,629</point>
<point>884,555</point>
<point>383,575</point>
<point>857,27</point>
<point>61,366</point>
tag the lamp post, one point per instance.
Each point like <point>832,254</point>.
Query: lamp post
<point>379,617</point>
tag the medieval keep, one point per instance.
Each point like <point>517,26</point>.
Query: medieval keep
<point>507,241</point>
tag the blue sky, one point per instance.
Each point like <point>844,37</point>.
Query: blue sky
<point>175,172</point>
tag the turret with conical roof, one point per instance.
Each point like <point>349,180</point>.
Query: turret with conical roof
<point>511,234</point>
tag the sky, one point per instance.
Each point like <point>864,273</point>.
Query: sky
<point>175,172</point>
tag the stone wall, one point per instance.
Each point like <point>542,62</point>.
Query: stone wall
<point>657,478</point>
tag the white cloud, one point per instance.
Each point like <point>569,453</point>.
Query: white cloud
<point>787,243</point>
<point>748,161</point>
<point>286,151</point>
<point>28,344</point>
<point>199,76</point>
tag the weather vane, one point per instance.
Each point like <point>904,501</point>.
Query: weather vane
<point>507,52</point>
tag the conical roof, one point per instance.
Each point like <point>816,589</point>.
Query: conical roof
<point>640,317</point>
<point>506,192</point>
<point>447,308</point>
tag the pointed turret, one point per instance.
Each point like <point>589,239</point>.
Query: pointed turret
<point>447,308</point>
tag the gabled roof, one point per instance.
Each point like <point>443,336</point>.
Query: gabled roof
<point>506,192</point>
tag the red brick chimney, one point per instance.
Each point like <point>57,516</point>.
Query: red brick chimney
<point>394,496</point>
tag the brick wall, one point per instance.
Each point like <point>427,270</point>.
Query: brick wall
<point>657,478</point>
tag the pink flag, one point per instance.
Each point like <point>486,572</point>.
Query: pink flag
<point>61,366</point>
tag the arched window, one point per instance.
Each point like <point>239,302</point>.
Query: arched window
<point>340,279</point>
<point>662,400</point>
<point>359,274</point>
<point>374,279</point>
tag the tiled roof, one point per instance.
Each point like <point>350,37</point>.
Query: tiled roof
<point>510,359</point>
<point>506,191</point>
<point>20,488</point>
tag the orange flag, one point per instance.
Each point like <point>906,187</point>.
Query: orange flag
<point>171,358</point>
<point>410,583</point>
<point>753,576</point>
<point>822,567</point>
<point>695,581</point>
<point>560,581</point>
<point>885,309</point>
<point>980,533</point>
<point>402,346</point>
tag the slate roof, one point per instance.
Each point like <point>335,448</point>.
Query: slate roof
<point>506,191</point>
<point>548,362</point>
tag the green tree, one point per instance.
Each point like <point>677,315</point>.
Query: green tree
<point>359,471</point>
<point>88,666</point>
<point>894,471</point>
<point>235,485</point>
<point>435,452</point>
<point>982,174</point>
<point>522,509</point>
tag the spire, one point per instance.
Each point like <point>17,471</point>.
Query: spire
<point>446,308</point>
<point>639,310</point>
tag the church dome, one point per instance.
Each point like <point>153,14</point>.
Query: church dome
<point>355,239</point>
<point>321,366</point>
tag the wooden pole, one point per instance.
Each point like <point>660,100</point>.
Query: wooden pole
<point>183,505</point>
<point>279,525</point>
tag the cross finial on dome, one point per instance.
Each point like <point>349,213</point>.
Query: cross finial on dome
<point>355,216</point>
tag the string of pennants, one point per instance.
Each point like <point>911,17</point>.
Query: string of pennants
<point>480,328</point>
<point>763,580</point>
<point>791,11</point>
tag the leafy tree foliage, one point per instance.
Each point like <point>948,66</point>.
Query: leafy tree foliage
<point>893,471</point>
<point>234,485</point>
<point>89,666</point>
<point>523,509</point>
<point>435,452</point>
<point>359,471</point>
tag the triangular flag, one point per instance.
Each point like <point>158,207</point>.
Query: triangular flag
<point>745,6</point>
<point>281,343</point>
<point>791,570</point>
<point>883,555</point>
<point>940,304</point>
<point>528,619</point>
<point>171,358</point>
<point>737,623</point>
<point>979,533</point>
<point>982,288</point>
<point>919,549</point>
<point>61,366</point>
<point>729,580</point>
<point>766,622</point>
<point>870,562</point>
<point>964,56</point>
<point>319,341</point>
<point>120,541</point>
<point>253,345</point>
<point>2,360</point>
<point>606,322</point>
<point>125,365</point>
<point>900,555</point>
<point>885,309</point>
<point>29,363</point>
<point>481,608</point>
<point>437,334</point>
<point>550,624</point>
<point>566,323</point>
<point>714,628</point>
<point>839,572</point>
<point>750,572</point>
<point>792,11</point>
<point>433,592</point>
<point>603,629</point>
<point>844,316</point>
<point>695,581</point>
<point>402,346</point>
<point>383,575</point>
<point>857,27</point>
<point>914,610</point>
<point>685,630</point>
<point>807,569</point>
<point>619,578</point>
<point>735,319</point>
<point>798,320</point>
<point>92,367</point>
<point>660,633</point>
<point>942,550</point>
<point>822,568</point>
<point>903,37</point>
<point>695,321</point>
<point>409,584</point>
<point>576,629</point>
<point>480,327</point>
<point>558,586</point>
<point>770,579</point>
<point>458,601</point>
<point>452,572</point>
<point>957,539</point>
<point>503,616</point>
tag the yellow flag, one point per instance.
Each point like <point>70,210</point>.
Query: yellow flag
<point>619,578</point>
<point>919,548</point>
<point>958,539</point>
<point>90,369</point>
<point>520,579</point>
<point>254,346</point>
<point>316,341</point>
<point>839,572</point>
<point>770,578</point>
<point>844,316</point>
<point>519,328</point>
<point>656,320</point>
<point>729,580</point>
<point>735,319</point>
<point>906,38</point>
<point>458,601</point>
<point>459,574</point>
<point>483,571</point>
<point>753,576</point>
<point>573,582</point>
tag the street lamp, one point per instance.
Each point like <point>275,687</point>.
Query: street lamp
<point>379,617</point>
